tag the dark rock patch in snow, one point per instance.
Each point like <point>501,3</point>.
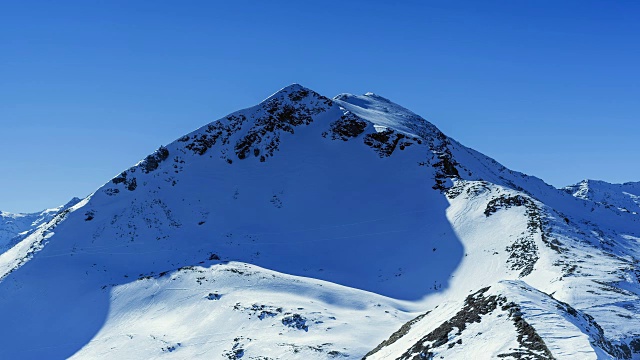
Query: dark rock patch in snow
<point>279,117</point>
<point>296,321</point>
<point>385,142</point>
<point>151,162</point>
<point>348,126</point>
<point>475,306</point>
<point>130,183</point>
<point>505,202</point>
<point>396,335</point>
<point>214,296</point>
<point>532,347</point>
<point>523,254</point>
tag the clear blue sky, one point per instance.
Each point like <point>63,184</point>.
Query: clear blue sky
<point>87,88</point>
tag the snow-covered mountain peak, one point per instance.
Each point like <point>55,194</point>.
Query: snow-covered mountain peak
<point>71,203</point>
<point>623,197</point>
<point>293,141</point>
<point>289,89</point>
<point>309,227</point>
<point>256,131</point>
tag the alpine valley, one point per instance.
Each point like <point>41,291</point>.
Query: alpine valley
<point>309,227</point>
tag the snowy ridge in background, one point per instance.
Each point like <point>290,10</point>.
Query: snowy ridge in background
<point>314,228</point>
<point>18,225</point>
<point>624,197</point>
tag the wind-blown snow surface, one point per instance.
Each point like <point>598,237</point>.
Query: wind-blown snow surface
<point>308,227</point>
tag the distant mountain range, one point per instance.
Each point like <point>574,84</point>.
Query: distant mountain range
<point>309,227</point>
<point>17,226</point>
<point>624,197</point>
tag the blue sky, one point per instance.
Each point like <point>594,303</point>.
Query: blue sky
<point>88,88</point>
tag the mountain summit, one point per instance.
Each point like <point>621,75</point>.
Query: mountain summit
<point>623,197</point>
<point>309,227</point>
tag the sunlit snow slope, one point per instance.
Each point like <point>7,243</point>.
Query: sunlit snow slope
<point>314,228</point>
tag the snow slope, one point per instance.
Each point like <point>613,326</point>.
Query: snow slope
<point>309,227</point>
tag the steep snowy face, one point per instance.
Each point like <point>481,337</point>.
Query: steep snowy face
<point>290,179</point>
<point>623,197</point>
<point>297,184</point>
<point>18,225</point>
